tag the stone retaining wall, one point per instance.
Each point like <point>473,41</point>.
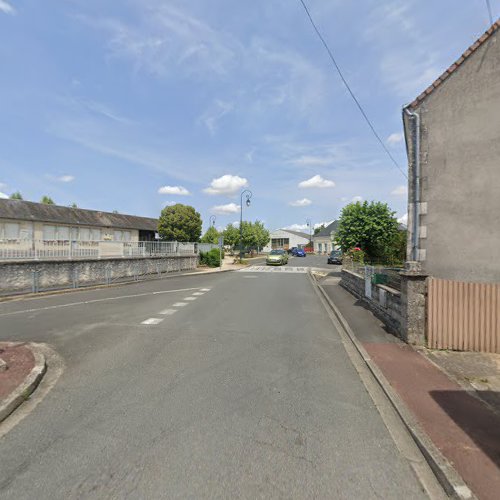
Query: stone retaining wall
<point>24,276</point>
<point>385,302</point>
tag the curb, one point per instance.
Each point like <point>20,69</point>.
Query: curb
<point>30,383</point>
<point>448,477</point>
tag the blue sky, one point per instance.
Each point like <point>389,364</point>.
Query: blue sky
<point>136,104</point>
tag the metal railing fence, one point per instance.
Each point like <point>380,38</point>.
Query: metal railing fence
<point>388,276</point>
<point>19,249</point>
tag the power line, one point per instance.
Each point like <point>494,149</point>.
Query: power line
<point>488,5</point>
<point>365,116</point>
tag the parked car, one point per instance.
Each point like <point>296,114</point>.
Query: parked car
<point>292,250</point>
<point>300,253</point>
<point>277,258</point>
<point>335,257</point>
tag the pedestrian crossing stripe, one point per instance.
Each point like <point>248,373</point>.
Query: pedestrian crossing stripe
<point>270,269</point>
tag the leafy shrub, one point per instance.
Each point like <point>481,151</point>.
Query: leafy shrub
<point>211,258</point>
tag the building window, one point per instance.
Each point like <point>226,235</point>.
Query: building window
<point>280,243</point>
<point>320,245</point>
<point>9,231</point>
<point>95,234</point>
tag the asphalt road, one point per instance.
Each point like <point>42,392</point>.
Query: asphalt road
<point>244,392</point>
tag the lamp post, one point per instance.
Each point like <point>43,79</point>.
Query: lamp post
<point>247,202</point>
<point>309,225</point>
<point>212,220</point>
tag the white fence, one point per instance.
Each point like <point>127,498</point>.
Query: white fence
<point>68,249</point>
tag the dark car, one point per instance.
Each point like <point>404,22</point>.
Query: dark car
<point>299,253</point>
<point>292,250</point>
<point>335,257</point>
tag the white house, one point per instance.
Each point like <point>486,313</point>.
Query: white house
<point>324,240</point>
<point>285,239</point>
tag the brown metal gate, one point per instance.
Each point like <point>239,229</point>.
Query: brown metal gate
<point>463,316</point>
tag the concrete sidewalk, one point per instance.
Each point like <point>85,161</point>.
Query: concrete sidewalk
<point>463,428</point>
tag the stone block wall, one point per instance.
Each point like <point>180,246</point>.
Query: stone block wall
<point>18,277</point>
<point>385,302</point>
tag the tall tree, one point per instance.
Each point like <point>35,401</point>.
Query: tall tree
<point>211,236</point>
<point>73,205</point>
<point>262,234</point>
<point>179,223</point>
<point>231,235</point>
<point>47,200</point>
<point>372,227</point>
<point>16,196</point>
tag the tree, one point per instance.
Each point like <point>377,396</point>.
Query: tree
<point>318,229</point>
<point>211,236</point>
<point>47,200</point>
<point>179,223</point>
<point>16,196</point>
<point>262,235</point>
<point>73,205</point>
<point>369,226</point>
<point>231,236</point>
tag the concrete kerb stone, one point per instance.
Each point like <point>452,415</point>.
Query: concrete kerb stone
<point>30,383</point>
<point>447,476</point>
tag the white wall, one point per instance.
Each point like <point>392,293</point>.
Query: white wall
<point>295,240</point>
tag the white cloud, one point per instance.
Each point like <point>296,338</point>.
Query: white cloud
<point>400,190</point>
<point>305,228</point>
<point>211,117</point>
<point>168,203</point>
<point>227,185</point>
<point>395,138</point>
<point>403,219</point>
<point>176,190</point>
<point>61,178</point>
<point>311,160</point>
<point>316,182</point>
<point>304,202</point>
<point>6,8</point>
<point>3,195</point>
<point>230,208</point>
<point>357,198</point>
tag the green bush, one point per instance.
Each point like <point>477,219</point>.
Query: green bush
<point>211,258</point>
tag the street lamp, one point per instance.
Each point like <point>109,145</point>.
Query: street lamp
<point>247,202</point>
<point>212,220</point>
<point>309,225</point>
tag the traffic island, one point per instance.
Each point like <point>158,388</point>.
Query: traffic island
<point>22,367</point>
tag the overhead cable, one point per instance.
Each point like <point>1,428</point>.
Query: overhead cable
<point>339,71</point>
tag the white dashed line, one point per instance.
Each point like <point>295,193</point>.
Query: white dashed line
<point>199,293</point>
<point>190,298</point>
<point>152,321</point>
<point>205,289</point>
<point>179,304</point>
<point>168,312</point>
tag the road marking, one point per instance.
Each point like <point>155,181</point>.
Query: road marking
<point>205,289</point>
<point>190,298</point>
<point>168,312</point>
<point>152,321</point>
<point>179,304</point>
<point>93,301</point>
<point>269,269</point>
<point>199,293</point>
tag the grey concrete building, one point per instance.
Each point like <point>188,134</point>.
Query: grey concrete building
<point>452,133</point>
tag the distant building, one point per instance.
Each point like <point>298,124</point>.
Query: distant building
<point>285,239</point>
<point>25,220</point>
<point>452,133</point>
<point>324,240</point>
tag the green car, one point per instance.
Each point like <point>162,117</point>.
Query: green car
<point>277,258</point>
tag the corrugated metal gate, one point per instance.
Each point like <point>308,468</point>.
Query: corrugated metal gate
<point>463,316</point>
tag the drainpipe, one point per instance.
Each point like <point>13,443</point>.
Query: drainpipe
<point>416,181</point>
